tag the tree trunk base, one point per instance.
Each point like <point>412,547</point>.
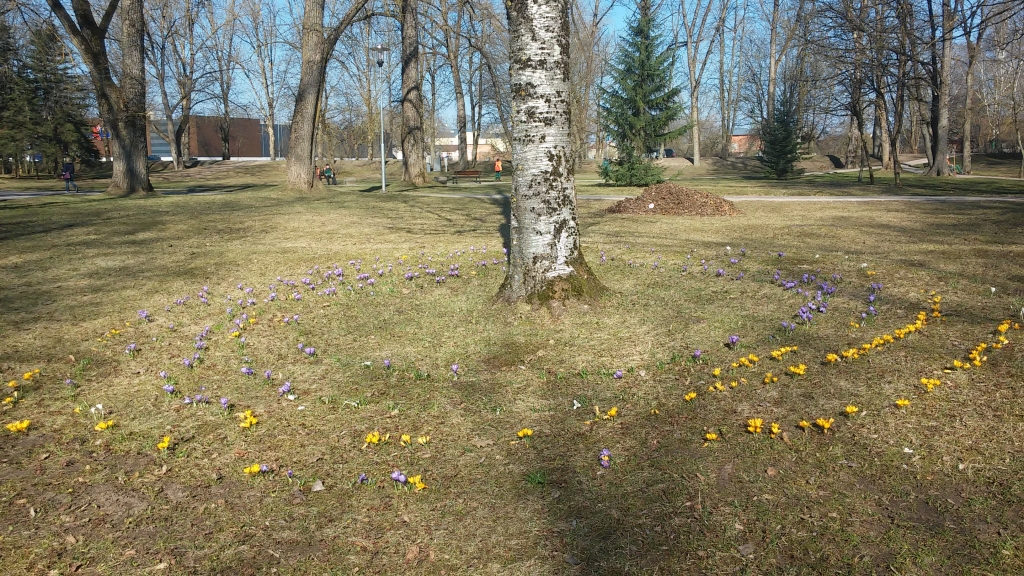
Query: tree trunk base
<point>579,285</point>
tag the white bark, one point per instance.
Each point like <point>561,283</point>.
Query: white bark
<point>545,260</point>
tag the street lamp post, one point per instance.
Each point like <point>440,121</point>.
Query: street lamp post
<point>381,49</point>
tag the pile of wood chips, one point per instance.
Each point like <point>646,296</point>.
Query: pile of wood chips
<point>668,199</point>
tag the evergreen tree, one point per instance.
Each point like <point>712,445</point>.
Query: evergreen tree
<point>780,140</point>
<point>60,123</point>
<point>15,97</point>
<point>641,103</point>
<point>43,102</point>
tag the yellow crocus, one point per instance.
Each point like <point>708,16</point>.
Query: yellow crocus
<point>754,425</point>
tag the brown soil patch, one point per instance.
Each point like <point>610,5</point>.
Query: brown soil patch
<point>669,199</point>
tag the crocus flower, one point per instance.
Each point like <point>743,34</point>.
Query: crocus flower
<point>363,479</point>
<point>163,374</point>
<point>733,340</point>
<point>617,375</point>
<point>168,388</point>
<point>284,389</point>
<point>144,315</point>
<point>248,371</point>
<point>267,374</point>
<point>397,476</point>
<point>605,458</point>
<point>224,403</point>
<point>697,354</point>
<point>455,369</point>
<point>309,351</point>
<point>387,364</point>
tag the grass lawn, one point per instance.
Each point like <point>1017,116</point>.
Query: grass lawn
<point>933,487</point>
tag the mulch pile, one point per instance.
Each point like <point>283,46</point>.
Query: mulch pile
<point>674,200</point>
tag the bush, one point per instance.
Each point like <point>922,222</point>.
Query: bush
<point>632,172</point>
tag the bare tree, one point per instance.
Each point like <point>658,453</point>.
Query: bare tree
<point>449,19</point>
<point>259,30</point>
<point>223,31</point>
<point>545,260</point>
<point>317,42</point>
<point>702,21</point>
<point>786,20</point>
<point>121,102</point>
<point>175,42</point>
<point>732,38</point>
<point>413,170</point>
<point>589,44</point>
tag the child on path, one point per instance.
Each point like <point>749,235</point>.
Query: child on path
<point>497,170</point>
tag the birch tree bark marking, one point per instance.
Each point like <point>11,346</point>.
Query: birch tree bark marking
<point>545,261</point>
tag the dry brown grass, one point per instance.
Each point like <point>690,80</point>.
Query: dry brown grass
<point>855,498</point>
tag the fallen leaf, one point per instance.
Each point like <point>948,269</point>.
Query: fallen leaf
<point>785,438</point>
<point>480,443</point>
<point>412,553</point>
<point>746,549</point>
<point>772,472</point>
<point>317,486</point>
<point>70,540</point>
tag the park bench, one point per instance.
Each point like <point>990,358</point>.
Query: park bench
<point>465,174</point>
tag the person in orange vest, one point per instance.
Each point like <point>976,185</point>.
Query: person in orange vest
<point>497,170</point>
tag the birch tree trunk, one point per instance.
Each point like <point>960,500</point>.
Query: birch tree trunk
<point>413,170</point>
<point>545,261</point>
<point>122,103</point>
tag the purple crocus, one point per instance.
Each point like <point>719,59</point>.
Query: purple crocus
<point>163,374</point>
<point>617,375</point>
<point>289,474</point>
<point>267,374</point>
<point>363,479</point>
<point>697,354</point>
<point>224,402</point>
<point>397,476</point>
<point>187,362</point>
<point>248,371</point>
<point>69,382</point>
<point>734,340</point>
<point>144,315</point>
<point>131,349</point>
<point>605,458</point>
<point>168,388</point>
<point>309,351</point>
<point>264,469</point>
<point>455,369</point>
<point>286,388</point>
<point>387,364</point>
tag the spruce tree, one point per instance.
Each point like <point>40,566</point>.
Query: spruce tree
<point>60,122</point>
<point>641,103</point>
<point>780,141</point>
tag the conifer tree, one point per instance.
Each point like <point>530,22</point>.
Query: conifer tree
<point>59,119</point>
<point>780,140</point>
<point>641,103</point>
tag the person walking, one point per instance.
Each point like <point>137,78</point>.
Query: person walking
<point>69,176</point>
<point>497,169</point>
